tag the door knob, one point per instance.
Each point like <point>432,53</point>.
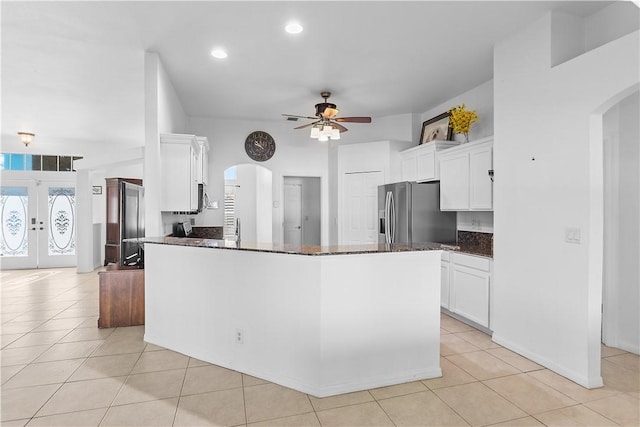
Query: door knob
<point>298,227</point>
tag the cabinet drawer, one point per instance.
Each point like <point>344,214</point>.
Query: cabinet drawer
<point>471,261</point>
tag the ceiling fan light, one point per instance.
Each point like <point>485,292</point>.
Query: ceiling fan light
<point>335,134</point>
<point>323,137</point>
<point>315,132</point>
<point>327,129</point>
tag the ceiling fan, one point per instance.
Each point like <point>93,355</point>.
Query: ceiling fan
<point>325,121</point>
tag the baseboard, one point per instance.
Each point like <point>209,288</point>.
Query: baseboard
<point>574,376</point>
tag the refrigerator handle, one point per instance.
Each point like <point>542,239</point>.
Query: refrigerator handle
<point>392,212</point>
<point>387,218</point>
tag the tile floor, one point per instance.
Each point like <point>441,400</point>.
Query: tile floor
<point>58,368</point>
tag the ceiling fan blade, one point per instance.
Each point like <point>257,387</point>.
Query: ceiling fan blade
<point>308,125</point>
<point>339,127</point>
<point>330,113</point>
<point>353,119</point>
<point>300,117</point>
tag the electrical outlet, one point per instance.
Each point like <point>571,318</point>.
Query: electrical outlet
<point>239,336</point>
<point>572,235</point>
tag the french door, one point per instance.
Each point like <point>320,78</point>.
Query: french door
<point>38,224</point>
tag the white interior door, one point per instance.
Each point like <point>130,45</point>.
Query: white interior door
<point>292,214</point>
<point>359,223</point>
<point>38,224</point>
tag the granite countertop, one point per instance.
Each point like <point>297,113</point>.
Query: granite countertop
<point>290,249</point>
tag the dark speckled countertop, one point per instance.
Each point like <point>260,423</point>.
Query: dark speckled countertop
<point>290,249</point>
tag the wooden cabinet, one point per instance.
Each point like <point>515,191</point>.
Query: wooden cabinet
<point>420,164</point>
<point>465,184</point>
<point>112,247</point>
<point>121,297</point>
<point>469,287</point>
<point>178,155</point>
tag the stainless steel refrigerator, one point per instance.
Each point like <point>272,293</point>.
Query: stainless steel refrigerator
<point>410,213</point>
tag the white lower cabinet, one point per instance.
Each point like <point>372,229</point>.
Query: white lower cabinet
<point>444,280</point>
<point>469,286</point>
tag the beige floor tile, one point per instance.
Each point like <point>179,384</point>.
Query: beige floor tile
<point>155,413</point>
<point>105,366</point>
<point>76,312</point>
<point>520,422</point>
<point>160,361</point>
<point>606,351</point>
<point>398,390</point>
<point>90,322</point>
<point>451,344</point>
<point>59,324</point>
<point>43,373</point>
<point>309,419</point>
<point>210,378</point>
<point>364,414</point>
<point>629,361</point>
<point>10,371</point>
<point>9,338</point>
<point>482,365</point>
<point>451,375</point>
<point>452,325</point>
<point>529,394</point>
<point>571,389</point>
<point>36,315</point>
<point>622,408</point>
<point>322,403</point>
<point>514,359</point>
<point>120,345</point>
<point>38,338</point>
<point>479,339</point>
<point>248,380</point>
<point>82,396</point>
<point>217,408</point>
<point>574,416</point>
<point>16,423</point>
<point>153,347</point>
<point>478,404</point>
<point>420,409</point>
<point>617,377</point>
<point>195,363</point>
<point>69,350</point>
<point>87,334</point>
<point>151,386</point>
<point>80,419</point>
<point>268,401</point>
<point>20,327</point>
<point>129,331</point>
<point>20,403</point>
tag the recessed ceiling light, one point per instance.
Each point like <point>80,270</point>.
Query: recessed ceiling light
<point>219,53</point>
<point>293,28</point>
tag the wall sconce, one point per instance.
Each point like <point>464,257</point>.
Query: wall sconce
<point>26,137</point>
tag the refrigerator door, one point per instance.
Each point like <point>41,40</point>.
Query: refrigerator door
<point>394,206</point>
<point>429,224</point>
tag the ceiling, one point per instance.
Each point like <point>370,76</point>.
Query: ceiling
<point>75,70</point>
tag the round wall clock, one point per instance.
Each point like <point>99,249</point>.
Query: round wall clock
<point>260,146</point>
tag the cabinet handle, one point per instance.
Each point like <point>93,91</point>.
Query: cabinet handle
<point>490,172</point>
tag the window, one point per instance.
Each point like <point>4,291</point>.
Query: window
<point>229,224</point>
<point>36,162</point>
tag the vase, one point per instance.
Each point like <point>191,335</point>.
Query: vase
<point>462,138</point>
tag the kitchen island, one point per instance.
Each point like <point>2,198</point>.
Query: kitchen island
<point>321,320</point>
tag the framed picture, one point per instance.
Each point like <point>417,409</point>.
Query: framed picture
<point>97,189</point>
<point>436,128</point>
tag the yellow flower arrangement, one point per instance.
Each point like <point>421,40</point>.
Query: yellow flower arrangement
<point>461,120</point>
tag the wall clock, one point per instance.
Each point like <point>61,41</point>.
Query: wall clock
<point>260,146</point>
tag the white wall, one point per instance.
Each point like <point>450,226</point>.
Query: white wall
<point>621,293</point>
<point>163,114</point>
<point>611,23</point>
<point>547,293</point>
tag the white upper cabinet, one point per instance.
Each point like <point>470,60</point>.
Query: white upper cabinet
<point>203,160</point>
<point>420,164</point>
<point>465,184</point>
<point>179,159</point>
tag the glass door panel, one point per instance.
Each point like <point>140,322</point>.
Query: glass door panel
<point>57,243</point>
<point>18,234</point>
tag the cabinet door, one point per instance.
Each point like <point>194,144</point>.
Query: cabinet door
<point>454,183</point>
<point>193,176</point>
<point>469,294</point>
<point>480,185</point>
<point>177,177</point>
<point>205,167</point>
<point>444,284</point>
<point>408,167</point>
<point>426,166</point>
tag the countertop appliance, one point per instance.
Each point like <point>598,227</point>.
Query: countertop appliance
<point>182,229</point>
<point>132,215</point>
<point>410,213</point>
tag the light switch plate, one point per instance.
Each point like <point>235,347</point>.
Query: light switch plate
<point>572,235</point>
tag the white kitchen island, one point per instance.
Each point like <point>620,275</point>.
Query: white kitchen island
<point>323,321</point>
